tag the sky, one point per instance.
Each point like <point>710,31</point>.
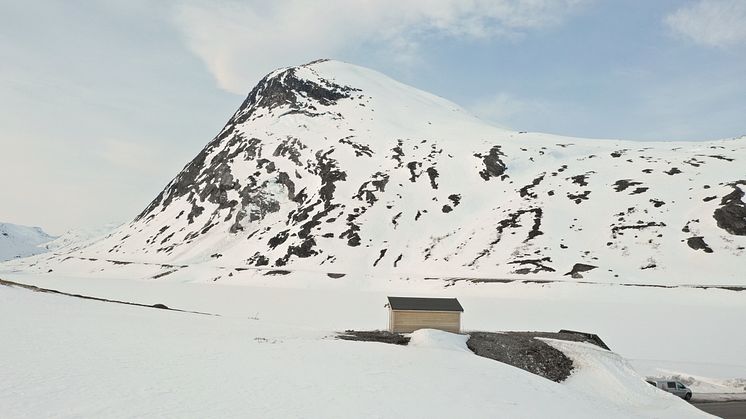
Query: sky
<point>103,102</point>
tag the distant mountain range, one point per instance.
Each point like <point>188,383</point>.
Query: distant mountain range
<point>17,241</point>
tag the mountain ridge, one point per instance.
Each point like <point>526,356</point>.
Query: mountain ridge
<point>335,167</point>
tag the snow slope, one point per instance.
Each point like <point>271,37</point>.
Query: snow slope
<point>75,239</point>
<point>17,241</point>
<point>634,321</point>
<point>336,168</point>
<point>106,360</point>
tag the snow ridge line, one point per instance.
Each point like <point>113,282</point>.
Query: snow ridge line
<point>452,281</point>
<point>87,297</point>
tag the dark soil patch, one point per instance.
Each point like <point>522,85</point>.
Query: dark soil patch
<point>522,350</point>
<point>381,336</point>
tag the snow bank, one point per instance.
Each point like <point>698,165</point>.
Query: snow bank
<point>605,375</point>
<point>438,339</point>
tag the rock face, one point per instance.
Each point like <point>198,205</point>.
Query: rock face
<point>336,168</point>
<point>731,216</point>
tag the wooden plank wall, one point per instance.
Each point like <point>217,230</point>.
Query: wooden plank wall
<point>402,321</point>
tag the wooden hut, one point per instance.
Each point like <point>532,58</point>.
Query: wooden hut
<point>407,314</point>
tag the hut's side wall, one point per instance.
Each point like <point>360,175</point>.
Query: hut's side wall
<point>404,321</point>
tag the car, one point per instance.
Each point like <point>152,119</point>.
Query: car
<point>674,387</point>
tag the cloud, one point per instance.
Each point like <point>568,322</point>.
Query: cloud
<point>716,23</point>
<point>239,42</point>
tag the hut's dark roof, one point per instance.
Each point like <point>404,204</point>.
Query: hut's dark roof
<point>425,304</point>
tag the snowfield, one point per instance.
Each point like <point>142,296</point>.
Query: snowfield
<point>107,360</point>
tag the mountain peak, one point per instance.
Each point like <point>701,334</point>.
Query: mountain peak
<point>293,88</point>
<point>331,166</point>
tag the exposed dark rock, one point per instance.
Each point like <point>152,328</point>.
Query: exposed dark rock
<point>578,198</point>
<point>276,272</point>
<point>398,153</point>
<point>493,166</point>
<point>413,166</point>
<point>380,256</point>
<point>395,220</point>
<point>398,259</point>
<point>622,184</point>
<point>731,216</point>
<point>672,171</point>
<point>578,268</point>
<point>717,156</point>
<point>368,189</point>
<point>581,180</point>
<point>512,221</point>
<point>290,148</point>
<point>258,260</point>
<point>329,173</point>
<point>335,275</point>
<point>286,89</point>
<point>656,203</point>
<point>526,191</point>
<point>360,149</point>
<point>278,239</point>
<point>698,243</point>
<point>446,209</point>
<point>433,175</point>
<point>618,230</point>
<point>304,250</point>
<point>538,265</point>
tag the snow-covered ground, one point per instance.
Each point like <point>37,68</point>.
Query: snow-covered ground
<point>636,322</point>
<point>270,354</point>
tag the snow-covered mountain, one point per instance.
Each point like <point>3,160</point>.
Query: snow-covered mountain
<point>76,239</point>
<point>17,241</point>
<point>337,168</point>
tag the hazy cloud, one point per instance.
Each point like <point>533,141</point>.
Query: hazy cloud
<point>239,42</point>
<point>718,23</point>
